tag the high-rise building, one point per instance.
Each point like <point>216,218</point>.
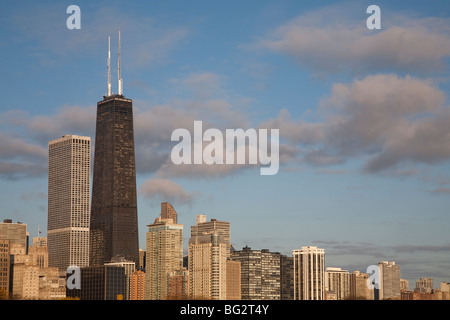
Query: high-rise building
<point>260,274</point>
<point>424,285</point>
<point>5,267</point>
<point>389,287</point>
<point>164,255</point>
<point>404,285</point>
<point>137,285</point>
<point>359,290</point>
<point>287,277</point>
<point>114,221</point>
<point>207,266</point>
<point>309,273</point>
<point>178,284</point>
<point>69,165</point>
<point>233,280</point>
<point>337,281</point>
<point>168,212</point>
<point>203,226</point>
<point>16,233</point>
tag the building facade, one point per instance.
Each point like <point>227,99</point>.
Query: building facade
<point>337,281</point>
<point>389,288</point>
<point>260,274</point>
<point>207,266</point>
<point>69,165</point>
<point>359,290</point>
<point>309,273</point>
<point>164,246</point>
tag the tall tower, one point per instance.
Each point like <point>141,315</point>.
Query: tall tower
<point>164,245</point>
<point>69,166</point>
<point>309,273</point>
<point>114,222</point>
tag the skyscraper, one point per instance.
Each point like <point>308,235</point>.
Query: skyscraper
<point>260,274</point>
<point>389,280</point>
<point>69,165</point>
<point>207,266</point>
<point>309,273</point>
<point>164,247</point>
<point>114,222</point>
<point>203,226</point>
<point>337,281</point>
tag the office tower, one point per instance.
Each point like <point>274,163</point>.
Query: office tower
<point>204,226</point>
<point>404,285</point>
<point>260,274</point>
<point>137,285</point>
<point>207,266</point>
<point>389,280</point>
<point>424,285</point>
<point>287,277</point>
<point>309,273</point>
<point>233,280</point>
<point>107,282</point>
<point>359,290</point>
<point>168,212</point>
<point>164,245</point>
<point>178,284</point>
<point>69,165</point>
<point>338,282</point>
<point>114,222</point>
<point>5,267</point>
<point>129,267</point>
<point>16,233</point>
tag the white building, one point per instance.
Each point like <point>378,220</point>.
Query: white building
<point>69,166</point>
<point>309,273</point>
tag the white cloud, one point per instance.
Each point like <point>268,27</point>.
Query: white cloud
<point>160,190</point>
<point>330,40</point>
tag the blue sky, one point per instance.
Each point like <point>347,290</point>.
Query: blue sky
<point>363,117</point>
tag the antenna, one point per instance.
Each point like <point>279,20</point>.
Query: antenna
<point>109,66</point>
<point>118,71</point>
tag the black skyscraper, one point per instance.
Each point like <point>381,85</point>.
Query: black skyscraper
<point>114,223</point>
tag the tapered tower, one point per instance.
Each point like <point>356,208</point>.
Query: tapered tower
<point>114,222</point>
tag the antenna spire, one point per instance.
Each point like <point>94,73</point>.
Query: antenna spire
<point>120,89</point>
<point>109,66</point>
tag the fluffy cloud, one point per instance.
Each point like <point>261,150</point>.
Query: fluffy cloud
<point>160,190</point>
<point>388,119</point>
<point>331,41</point>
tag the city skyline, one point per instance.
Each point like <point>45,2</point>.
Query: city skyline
<point>364,152</point>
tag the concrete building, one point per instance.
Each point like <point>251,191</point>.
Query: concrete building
<point>69,169</point>
<point>5,267</point>
<point>178,285</point>
<point>389,281</point>
<point>164,254</point>
<point>203,226</point>
<point>424,285</point>
<point>16,233</point>
<point>287,277</point>
<point>137,285</point>
<point>359,290</point>
<point>233,280</point>
<point>207,266</point>
<point>404,285</point>
<point>260,274</point>
<point>338,281</point>
<point>309,273</point>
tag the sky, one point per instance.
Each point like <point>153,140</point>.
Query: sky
<point>363,117</point>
